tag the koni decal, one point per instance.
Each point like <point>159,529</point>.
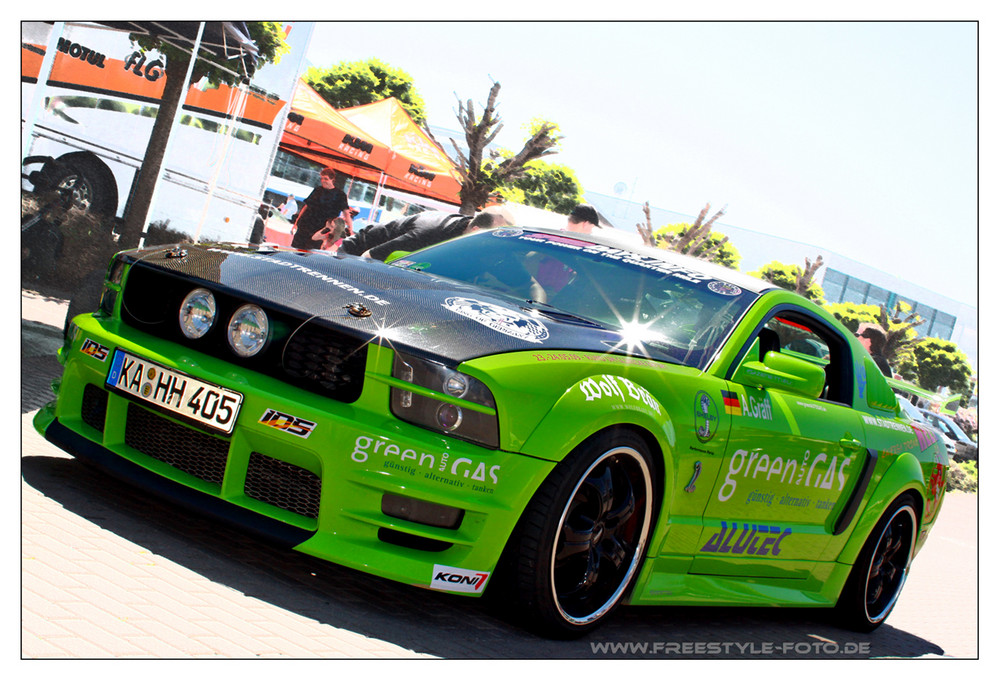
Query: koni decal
<point>443,467</point>
<point>446,578</point>
<point>818,473</point>
<point>755,540</point>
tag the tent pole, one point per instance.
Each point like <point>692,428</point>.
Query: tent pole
<point>177,118</point>
<point>378,194</point>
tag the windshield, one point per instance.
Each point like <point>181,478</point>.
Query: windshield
<point>659,307</point>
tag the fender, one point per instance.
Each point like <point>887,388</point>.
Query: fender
<point>595,403</point>
<point>903,474</point>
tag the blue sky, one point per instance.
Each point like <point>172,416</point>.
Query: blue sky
<point>858,137</point>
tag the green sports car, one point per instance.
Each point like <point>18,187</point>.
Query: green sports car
<point>557,419</point>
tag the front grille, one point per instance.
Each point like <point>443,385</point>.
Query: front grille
<point>191,451</point>
<point>94,407</point>
<point>326,360</point>
<point>282,484</point>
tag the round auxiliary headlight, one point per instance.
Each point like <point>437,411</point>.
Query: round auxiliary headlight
<point>456,385</point>
<point>248,331</point>
<point>449,417</point>
<point>197,313</point>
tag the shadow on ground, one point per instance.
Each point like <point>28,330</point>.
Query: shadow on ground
<point>430,622</point>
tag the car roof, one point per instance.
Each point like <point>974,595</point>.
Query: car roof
<point>614,238</point>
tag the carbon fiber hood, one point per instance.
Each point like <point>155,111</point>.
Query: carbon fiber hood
<point>440,318</point>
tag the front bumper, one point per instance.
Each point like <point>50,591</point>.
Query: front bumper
<point>325,494</point>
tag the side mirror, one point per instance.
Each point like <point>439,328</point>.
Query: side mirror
<point>783,372</point>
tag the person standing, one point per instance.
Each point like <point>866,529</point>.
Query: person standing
<point>325,203</point>
<point>873,339</point>
<point>289,208</point>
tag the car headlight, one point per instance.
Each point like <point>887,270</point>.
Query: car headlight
<point>197,313</point>
<point>445,400</point>
<point>248,331</point>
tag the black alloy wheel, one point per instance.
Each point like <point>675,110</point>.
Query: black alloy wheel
<point>584,535</point>
<point>880,572</point>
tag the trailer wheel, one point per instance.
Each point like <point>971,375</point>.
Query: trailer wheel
<point>89,184</point>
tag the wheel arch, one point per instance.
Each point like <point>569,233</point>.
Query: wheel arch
<point>499,589</point>
<point>903,478</point>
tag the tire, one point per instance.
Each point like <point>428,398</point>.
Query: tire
<point>880,571</point>
<point>84,183</point>
<point>581,542</point>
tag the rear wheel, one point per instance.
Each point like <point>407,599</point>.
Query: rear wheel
<point>581,542</point>
<point>881,569</point>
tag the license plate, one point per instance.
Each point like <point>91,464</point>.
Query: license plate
<point>204,403</point>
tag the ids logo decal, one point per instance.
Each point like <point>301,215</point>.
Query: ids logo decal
<point>94,349</point>
<point>499,318</point>
<point>456,579</point>
<point>288,423</point>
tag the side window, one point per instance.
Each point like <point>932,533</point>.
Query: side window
<point>799,340</point>
<point>799,335</point>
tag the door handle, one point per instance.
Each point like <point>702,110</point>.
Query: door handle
<point>851,443</point>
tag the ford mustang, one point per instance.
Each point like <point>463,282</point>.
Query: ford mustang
<point>558,419</point>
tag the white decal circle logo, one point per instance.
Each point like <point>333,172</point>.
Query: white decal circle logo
<point>724,288</point>
<point>499,318</point>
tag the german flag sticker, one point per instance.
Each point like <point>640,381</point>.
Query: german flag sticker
<point>731,401</point>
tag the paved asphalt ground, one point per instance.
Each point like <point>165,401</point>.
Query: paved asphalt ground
<point>108,573</point>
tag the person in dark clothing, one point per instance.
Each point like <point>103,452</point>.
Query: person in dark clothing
<point>583,218</point>
<point>418,231</point>
<point>259,223</point>
<point>873,338</point>
<point>325,203</point>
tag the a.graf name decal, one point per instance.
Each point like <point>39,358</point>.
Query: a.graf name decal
<point>609,387</point>
<point>458,471</point>
<point>755,540</point>
<point>500,319</point>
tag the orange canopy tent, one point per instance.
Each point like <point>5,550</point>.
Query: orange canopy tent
<point>417,160</point>
<point>315,126</point>
<point>376,142</point>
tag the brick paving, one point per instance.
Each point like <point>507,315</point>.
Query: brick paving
<point>108,573</point>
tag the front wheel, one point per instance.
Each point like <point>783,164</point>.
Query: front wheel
<point>880,571</point>
<point>581,542</point>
